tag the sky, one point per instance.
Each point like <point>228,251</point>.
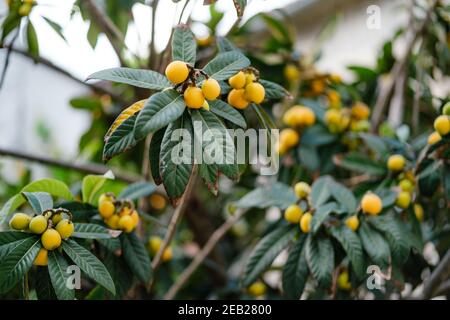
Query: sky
<point>81,60</point>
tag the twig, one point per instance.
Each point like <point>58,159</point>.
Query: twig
<point>201,256</point>
<point>54,67</point>
<point>91,168</point>
<point>440,274</point>
<point>7,58</point>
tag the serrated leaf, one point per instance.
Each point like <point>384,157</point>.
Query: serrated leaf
<point>184,46</point>
<point>320,191</point>
<point>216,141</point>
<point>352,246</point>
<point>89,263</point>
<point>17,262</point>
<point>160,109</point>
<point>273,195</point>
<point>266,251</point>
<point>155,150</point>
<point>224,110</point>
<point>93,231</point>
<point>32,40</point>
<point>273,90</point>
<point>137,190</point>
<point>344,196</point>
<point>321,214</point>
<point>136,77</point>
<point>226,65</point>
<point>121,139</point>
<point>136,256</point>
<point>295,271</point>
<point>320,258</point>
<point>57,268</point>
<point>375,245</point>
<point>176,162</point>
<point>39,201</point>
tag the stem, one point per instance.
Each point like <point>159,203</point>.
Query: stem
<point>201,256</point>
<point>91,168</point>
<point>7,58</point>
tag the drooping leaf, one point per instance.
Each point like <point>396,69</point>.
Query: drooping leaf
<point>375,245</point>
<point>274,91</point>
<point>184,46</point>
<point>224,110</point>
<point>120,273</point>
<point>266,251</point>
<point>320,191</point>
<point>295,271</point>
<point>11,239</point>
<point>320,258</point>
<point>161,109</point>
<point>56,27</point>
<point>352,246</point>
<point>321,215</point>
<point>375,143</point>
<point>93,231</point>
<point>39,201</point>
<point>137,190</point>
<point>139,78</point>
<point>136,256</point>
<point>155,151</point>
<point>344,196</point>
<point>226,65</point>
<point>210,175</point>
<point>121,139</point>
<point>276,195</point>
<point>57,267</point>
<point>43,285</point>
<point>89,263</point>
<point>225,45</point>
<point>32,40</point>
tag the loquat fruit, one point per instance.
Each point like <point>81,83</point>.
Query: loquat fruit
<point>396,162</point>
<point>38,224</point>
<point>352,222</point>
<point>291,72</point>
<point>418,212</point>
<point>167,254</point>
<point>126,224</point>
<point>289,137</point>
<point>257,289</point>
<point>406,185</point>
<point>177,72</point>
<point>238,80</point>
<point>113,221</point>
<point>302,190</point>
<point>305,222</point>
<point>360,111</point>
<point>293,213</point>
<point>106,209</point>
<point>41,258</point>
<point>65,228</point>
<point>154,243</point>
<point>20,221</point>
<point>343,281</point>
<point>193,97</point>
<point>51,239</point>
<point>371,204</point>
<point>157,201</point>
<point>211,89</point>
<point>236,98</point>
<point>442,125</point>
<point>135,217</point>
<point>403,199</point>
<point>255,92</point>
<point>434,138</point>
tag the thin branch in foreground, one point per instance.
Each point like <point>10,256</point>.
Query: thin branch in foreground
<point>201,256</point>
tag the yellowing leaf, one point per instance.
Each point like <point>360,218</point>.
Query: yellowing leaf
<point>124,115</point>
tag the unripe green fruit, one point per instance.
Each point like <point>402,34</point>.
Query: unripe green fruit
<point>20,221</point>
<point>38,224</point>
<point>446,109</point>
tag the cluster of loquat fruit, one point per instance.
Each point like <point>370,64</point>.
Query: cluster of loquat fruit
<point>53,225</point>
<point>154,244</point>
<point>24,6</point>
<point>340,119</point>
<point>297,118</point>
<point>118,214</point>
<point>246,89</point>
<point>294,213</point>
<point>441,125</point>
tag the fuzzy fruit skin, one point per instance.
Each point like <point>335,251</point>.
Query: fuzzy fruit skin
<point>154,243</point>
<point>396,162</point>
<point>177,72</point>
<point>360,111</point>
<point>293,213</point>
<point>302,190</point>
<point>193,97</point>
<point>135,217</point>
<point>299,116</point>
<point>236,98</point>
<point>371,204</point>
<point>65,228</point>
<point>434,138</point>
<point>418,212</point>
<point>157,201</point>
<point>343,281</point>
<point>41,258</point>
<point>20,221</point>
<point>257,289</point>
<point>113,222</point>
<point>126,224</point>
<point>106,209</point>
<point>255,92</point>
<point>291,72</point>
<point>238,80</point>
<point>51,239</point>
<point>211,89</point>
<point>305,222</point>
<point>352,222</point>
<point>167,254</point>
<point>442,125</point>
<point>289,137</point>
<point>403,199</point>
<point>38,224</point>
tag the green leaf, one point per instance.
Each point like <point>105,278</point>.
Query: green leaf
<point>375,245</point>
<point>56,27</point>
<point>320,191</point>
<point>57,268</point>
<point>274,91</point>
<point>147,79</point>
<point>92,35</point>
<point>120,273</point>
<point>362,164</point>
<point>309,157</point>
<point>320,258</point>
<point>90,186</point>
<point>176,162</point>
<point>39,201</point>
<point>18,261</point>
<point>43,285</point>
<point>272,195</point>
<point>266,251</point>
<point>136,256</point>
<point>54,187</point>
<point>226,65</point>
<point>216,141</point>
<point>11,239</point>
<point>93,231</point>
<point>295,271</point>
<point>137,190</point>
<point>155,151</point>
<point>210,176</point>
<point>32,40</point>
<point>352,246</point>
<point>113,245</point>
<point>375,143</point>
<point>224,110</point>
<point>160,109</point>
<point>184,46</point>
<point>89,263</point>
<point>317,136</point>
<point>225,45</point>
<point>11,22</point>
<point>321,215</point>
<point>121,139</point>
<point>446,181</point>
<point>344,196</point>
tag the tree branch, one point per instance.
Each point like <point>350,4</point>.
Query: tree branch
<point>201,256</point>
<point>439,275</point>
<point>90,168</point>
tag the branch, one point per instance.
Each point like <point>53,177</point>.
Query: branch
<point>90,168</point>
<point>201,256</point>
<point>440,274</point>
<point>49,64</point>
